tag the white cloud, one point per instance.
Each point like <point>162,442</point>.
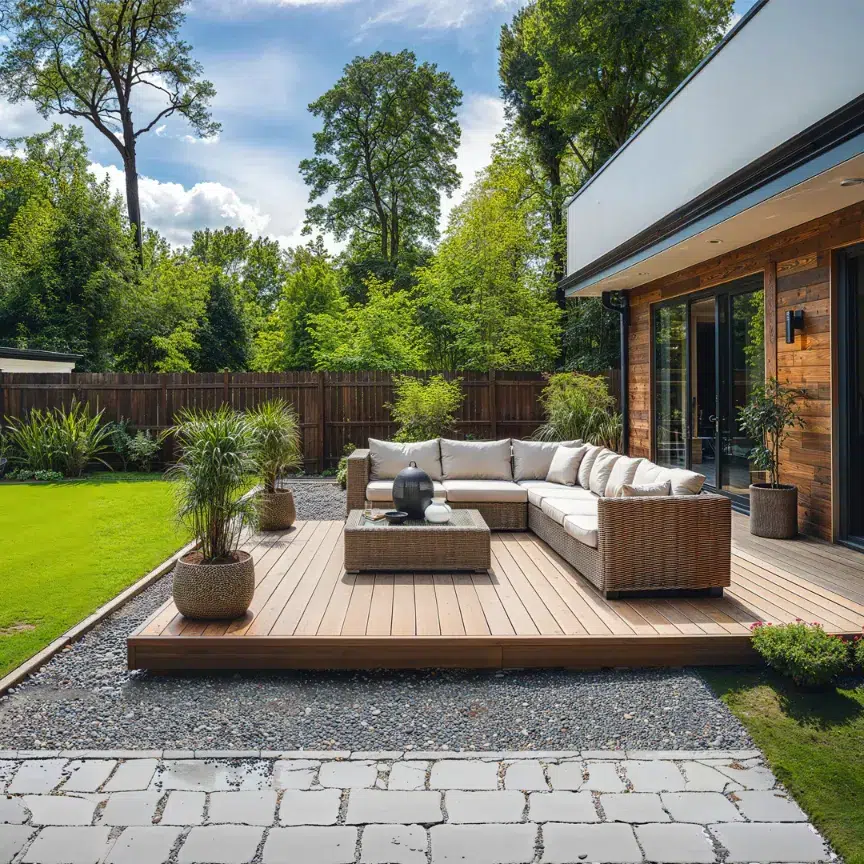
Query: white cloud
<point>481,118</point>
<point>194,139</point>
<point>20,119</point>
<point>175,212</point>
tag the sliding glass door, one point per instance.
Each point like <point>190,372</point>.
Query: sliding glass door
<point>709,354</point>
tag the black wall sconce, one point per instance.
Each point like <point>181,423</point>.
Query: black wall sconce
<point>794,321</point>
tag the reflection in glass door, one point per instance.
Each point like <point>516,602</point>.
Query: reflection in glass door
<point>670,384</point>
<point>709,355</point>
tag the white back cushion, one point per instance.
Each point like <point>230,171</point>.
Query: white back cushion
<point>531,459</point>
<point>390,457</point>
<point>565,465</point>
<point>623,472</point>
<point>647,472</point>
<point>587,464</point>
<point>601,470</point>
<point>684,482</point>
<point>476,460</point>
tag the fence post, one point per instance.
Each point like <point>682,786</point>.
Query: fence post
<point>162,420</point>
<point>493,404</point>
<point>225,397</point>
<point>322,464</point>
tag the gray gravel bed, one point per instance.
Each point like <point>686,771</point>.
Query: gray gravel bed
<point>85,698</point>
<point>318,499</point>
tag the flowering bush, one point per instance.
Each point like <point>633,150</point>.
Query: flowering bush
<point>804,652</point>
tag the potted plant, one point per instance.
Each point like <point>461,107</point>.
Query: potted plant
<point>769,418</point>
<point>215,467</point>
<point>277,449</point>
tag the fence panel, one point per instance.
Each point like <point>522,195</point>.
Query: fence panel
<point>335,408</point>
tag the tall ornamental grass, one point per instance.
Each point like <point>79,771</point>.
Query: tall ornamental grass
<point>215,467</point>
<point>276,429</point>
<point>579,406</point>
<point>59,440</point>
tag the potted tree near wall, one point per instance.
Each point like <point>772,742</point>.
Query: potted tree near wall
<point>277,450</point>
<point>216,465</point>
<point>769,418</point>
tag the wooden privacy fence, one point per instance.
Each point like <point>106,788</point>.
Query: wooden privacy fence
<point>335,408</point>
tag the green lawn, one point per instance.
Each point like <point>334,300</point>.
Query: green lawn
<point>814,741</point>
<point>67,548</point>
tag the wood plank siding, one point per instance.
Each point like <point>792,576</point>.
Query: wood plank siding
<point>530,608</point>
<point>798,275</point>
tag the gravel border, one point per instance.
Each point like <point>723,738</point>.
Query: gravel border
<point>85,698</point>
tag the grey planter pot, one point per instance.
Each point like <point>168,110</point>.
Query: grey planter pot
<point>214,590</point>
<point>276,511</point>
<point>774,512</point>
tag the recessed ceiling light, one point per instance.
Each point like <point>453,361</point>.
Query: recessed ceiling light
<point>852,181</point>
<point>715,241</point>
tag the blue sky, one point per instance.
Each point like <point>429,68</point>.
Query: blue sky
<point>268,59</point>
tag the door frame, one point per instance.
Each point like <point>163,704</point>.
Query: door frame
<point>722,293</point>
<point>844,346</point>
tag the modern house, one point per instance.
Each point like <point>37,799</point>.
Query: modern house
<point>31,360</point>
<point>729,232</point>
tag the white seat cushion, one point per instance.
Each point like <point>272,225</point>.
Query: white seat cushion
<point>476,460</point>
<point>388,458</point>
<point>540,489</point>
<point>382,490</point>
<point>582,527</point>
<point>531,459</point>
<point>559,508</point>
<point>623,472</point>
<point>490,491</point>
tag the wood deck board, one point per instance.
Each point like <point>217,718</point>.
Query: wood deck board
<point>530,609</point>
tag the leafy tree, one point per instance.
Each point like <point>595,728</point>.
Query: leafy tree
<point>485,300</point>
<point>591,336</point>
<point>425,409</point>
<point>606,65</point>
<point>95,59</point>
<point>223,337</point>
<point>65,255</point>
<point>383,333</point>
<point>163,312</point>
<point>311,288</point>
<point>518,68</point>
<point>257,263</point>
<point>386,152</point>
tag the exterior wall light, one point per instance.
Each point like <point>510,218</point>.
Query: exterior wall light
<point>794,321</point>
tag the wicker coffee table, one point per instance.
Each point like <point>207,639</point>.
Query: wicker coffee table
<point>460,544</point>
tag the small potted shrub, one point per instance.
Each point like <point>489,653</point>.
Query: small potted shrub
<point>216,464</point>
<point>769,418</point>
<point>277,450</point>
<point>804,652</point>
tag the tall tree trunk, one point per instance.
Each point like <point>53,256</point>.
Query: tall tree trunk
<point>556,220</point>
<point>133,202</point>
<point>394,234</point>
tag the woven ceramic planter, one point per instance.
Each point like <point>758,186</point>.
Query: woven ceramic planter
<point>214,590</point>
<point>276,510</point>
<point>774,511</point>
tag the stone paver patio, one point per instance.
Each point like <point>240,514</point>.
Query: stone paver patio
<point>128,807</point>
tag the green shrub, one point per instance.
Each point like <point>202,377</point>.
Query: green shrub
<point>579,406</point>
<point>27,474</point>
<point>60,440</point>
<point>142,449</point>
<point>215,466</point>
<point>805,652</point>
<point>425,409</point>
<point>278,450</point>
<point>120,439</point>
<point>342,470</point>
<point>858,654</point>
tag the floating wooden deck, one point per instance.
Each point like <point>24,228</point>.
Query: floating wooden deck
<point>531,609</point>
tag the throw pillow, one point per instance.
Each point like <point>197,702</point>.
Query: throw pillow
<point>601,470</point>
<point>646,490</point>
<point>531,459</point>
<point>565,465</point>
<point>587,464</point>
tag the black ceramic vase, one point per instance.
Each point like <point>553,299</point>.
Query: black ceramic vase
<point>412,491</point>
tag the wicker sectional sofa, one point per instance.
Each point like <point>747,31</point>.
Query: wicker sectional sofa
<point>675,542</point>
